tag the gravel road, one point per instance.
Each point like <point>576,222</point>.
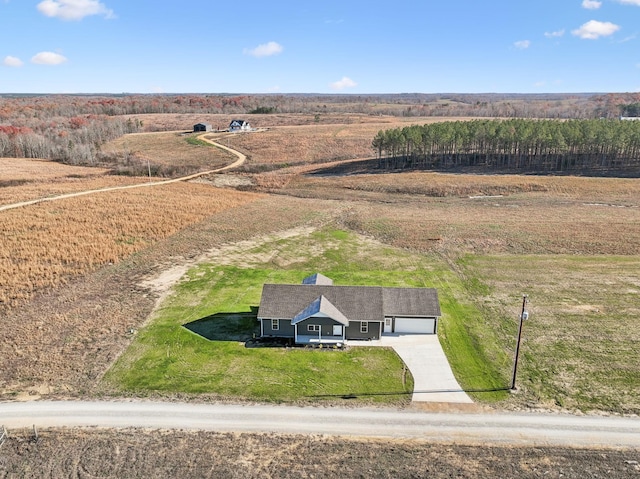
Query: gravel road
<point>461,428</point>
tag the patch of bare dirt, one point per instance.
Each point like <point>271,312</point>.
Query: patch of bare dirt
<point>136,453</point>
<point>235,253</point>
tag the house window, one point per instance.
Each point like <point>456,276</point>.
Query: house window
<point>313,327</point>
<point>364,327</point>
<point>275,324</point>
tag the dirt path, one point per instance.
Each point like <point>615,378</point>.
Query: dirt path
<point>459,427</point>
<point>241,159</point>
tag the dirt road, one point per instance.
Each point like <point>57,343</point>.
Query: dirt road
<point>459,427</point>
<point>241,159</point>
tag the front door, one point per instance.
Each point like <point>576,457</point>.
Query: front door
<point>387,325</point>
<point>337,330</point>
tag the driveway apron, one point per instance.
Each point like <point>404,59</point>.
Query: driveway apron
<point>433,380</point>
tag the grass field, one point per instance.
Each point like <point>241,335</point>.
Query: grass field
<point>169,153</point>
<point>167,356</point>
<point>580,348</point>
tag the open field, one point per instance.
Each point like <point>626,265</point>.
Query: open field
<point>24,179</point>
<point>580,348</point>
<point>136,453</point>
<point>347,138</point>
<point>452,214</point>
<point>63,339</point>
<point>168,153</point>
<point>45,244</point>
<point>291,139</point>
<point>167,357</point>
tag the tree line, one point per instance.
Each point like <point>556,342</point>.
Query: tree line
<point>75,140</point>
<point>513,145</point>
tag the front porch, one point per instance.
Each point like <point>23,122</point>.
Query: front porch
<point>317,339</point>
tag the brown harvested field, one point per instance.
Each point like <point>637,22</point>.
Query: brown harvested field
<point>45,244</point>
<point>23,179</point>
<point>170,152</point>
<point>457,214</point>
<point>88,453</point>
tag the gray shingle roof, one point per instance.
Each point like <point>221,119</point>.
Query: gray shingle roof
<point>357,303</point>
<point>285,301</point>
<point>411,302</point>
<point>324,306</point>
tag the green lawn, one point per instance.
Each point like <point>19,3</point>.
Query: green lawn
<point>194,342</point>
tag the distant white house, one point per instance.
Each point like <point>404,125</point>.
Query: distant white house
<point>239,125</point>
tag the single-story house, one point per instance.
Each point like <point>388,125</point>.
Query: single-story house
<point>317,311</point>
<point>202,127</point>
<point>239,125</point>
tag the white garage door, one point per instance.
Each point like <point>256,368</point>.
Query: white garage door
<point>415,325</point>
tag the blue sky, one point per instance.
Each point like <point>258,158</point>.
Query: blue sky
<point>426,46</point>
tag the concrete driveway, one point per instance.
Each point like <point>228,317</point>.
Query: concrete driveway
<point>433,380</point>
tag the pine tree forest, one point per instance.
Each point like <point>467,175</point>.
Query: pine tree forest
<point>515,145</point>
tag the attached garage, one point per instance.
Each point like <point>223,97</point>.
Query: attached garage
<point>415,325</point>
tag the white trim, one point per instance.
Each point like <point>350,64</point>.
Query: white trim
<point>364,327</point>
<point>277,323</point>
<point>313,328</point>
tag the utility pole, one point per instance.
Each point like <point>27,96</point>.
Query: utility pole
<point>524,314</point>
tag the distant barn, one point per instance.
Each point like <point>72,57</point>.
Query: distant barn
<point>202,127</point>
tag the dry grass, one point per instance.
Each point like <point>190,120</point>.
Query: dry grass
<point>24,179</point>
<point>291,138</point>
<point>425,212</point>
<point>44,244</point>
<point>169,152</point>
<point>76,453</point>
<point>61,341</point>
<point>344,138</point>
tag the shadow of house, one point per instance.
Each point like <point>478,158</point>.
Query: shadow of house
<point>226,326</point>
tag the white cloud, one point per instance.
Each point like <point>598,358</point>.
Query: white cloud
<point>629,2</point>
<point>264,50</point>
<point>345,82</point>
<point>555,34</point>
<point>74,9</point>
<point>522,44</point>
<point>591,4</point>
<point>592,30</point>
<point>12,61</point>
<point>48,58</point>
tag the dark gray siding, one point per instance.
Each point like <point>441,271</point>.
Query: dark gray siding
<point>353,330</point>
<point>286,329</point>
<point>326,326</point>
